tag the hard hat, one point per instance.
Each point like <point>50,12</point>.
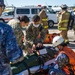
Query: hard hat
<point>62,59</point>
<point>57,40</point>
<point>64,6</point>
<point>2,3</point>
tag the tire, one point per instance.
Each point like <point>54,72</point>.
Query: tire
<point>50,24</point>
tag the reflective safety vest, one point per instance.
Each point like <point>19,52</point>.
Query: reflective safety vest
<point>63,21</point>
<point>71,54</point>
<point>45,22</point>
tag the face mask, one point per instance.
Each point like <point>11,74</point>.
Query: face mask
<point>25,27</point>
<point>36,25</point>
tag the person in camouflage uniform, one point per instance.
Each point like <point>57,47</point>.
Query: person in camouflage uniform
<point>9,50</point>
<point>20,31</point>
<point>35,32</point>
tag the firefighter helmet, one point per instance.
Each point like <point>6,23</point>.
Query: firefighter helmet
<point>57,40</point>
<point>64,6</point>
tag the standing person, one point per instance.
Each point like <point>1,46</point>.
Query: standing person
<point>63,23</point>
<point>9,50</point>
<point>44,18</point>
<point>36,32</point>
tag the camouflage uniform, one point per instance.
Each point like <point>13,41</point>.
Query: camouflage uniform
<point>33,32</point>
<point>9,50</point>
<point>19,35</point>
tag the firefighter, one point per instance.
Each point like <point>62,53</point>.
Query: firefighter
<point>44,18</point>
<point>63,22</point>
<point>63,50</point>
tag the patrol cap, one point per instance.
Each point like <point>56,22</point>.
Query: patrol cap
<point>2,3</point>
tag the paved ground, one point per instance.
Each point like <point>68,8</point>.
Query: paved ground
<point>71,36</point>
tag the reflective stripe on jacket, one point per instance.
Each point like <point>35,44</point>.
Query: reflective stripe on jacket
<point>44,19</point>
<point>63,20</point>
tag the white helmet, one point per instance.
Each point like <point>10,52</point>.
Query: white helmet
<point>57,40</point>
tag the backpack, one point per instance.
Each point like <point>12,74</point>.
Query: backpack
<point>71,20</point>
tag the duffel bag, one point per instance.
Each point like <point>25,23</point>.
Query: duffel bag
<point>29,61</point>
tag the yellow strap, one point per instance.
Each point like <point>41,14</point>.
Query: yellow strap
<point>68,13</point>
<point>45,19</point>
<point>62,28</point>
<point>45,26</point>
<point>64,21</point>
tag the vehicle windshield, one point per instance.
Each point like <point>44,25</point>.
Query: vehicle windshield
<point>50,11</point>
<point>9,13</point>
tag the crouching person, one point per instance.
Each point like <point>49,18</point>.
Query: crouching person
<point>65,61</point>
<point>36,32</point>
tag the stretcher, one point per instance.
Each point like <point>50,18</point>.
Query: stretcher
<point>34,63</point>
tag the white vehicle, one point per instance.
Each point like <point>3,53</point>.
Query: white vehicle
<point>29,11</point>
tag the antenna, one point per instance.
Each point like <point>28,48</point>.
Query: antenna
<point>6,3</point>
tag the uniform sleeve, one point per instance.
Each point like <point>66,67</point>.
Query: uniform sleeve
<point>43,34</point>
<point>29,34</point>
<point>13,51</point>
<point>19,36</point>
